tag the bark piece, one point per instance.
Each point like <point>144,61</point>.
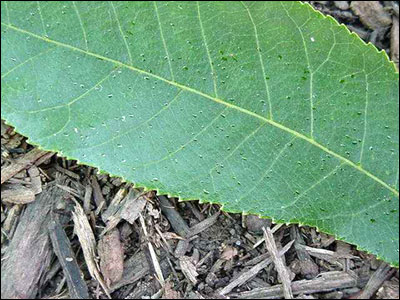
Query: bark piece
<point>111,255</point>
<point>371,13</point>
<point>28,256</point>
<point>17,194</point>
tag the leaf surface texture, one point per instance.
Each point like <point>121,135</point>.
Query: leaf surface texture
<point>263,107</point>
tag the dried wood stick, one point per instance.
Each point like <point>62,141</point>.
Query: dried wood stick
<point>279,265</point>
<point>245,276</point>
<point>325,282</point>
<point>61,245</point>
<point>383,272</point>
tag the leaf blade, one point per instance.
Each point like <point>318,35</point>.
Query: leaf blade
<point>200,124</point>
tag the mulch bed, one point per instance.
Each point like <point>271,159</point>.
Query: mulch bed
<point>68,232</point>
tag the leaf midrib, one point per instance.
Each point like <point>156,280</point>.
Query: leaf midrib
<point>217,100</point>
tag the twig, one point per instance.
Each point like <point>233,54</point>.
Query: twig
<point>153,255</point>
<point>203,225</point>
<point>279,265</point>
<point>325,282</point>
<point>273,230</point>
<point>245,276</point>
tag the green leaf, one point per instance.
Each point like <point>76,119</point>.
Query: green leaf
<point>267,108</point>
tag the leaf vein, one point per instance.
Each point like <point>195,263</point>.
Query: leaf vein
<point>81,23</point>
<point>122,33</point>
<point>41,17</point>
<point>261,60</point>
<point>163,41</point>
<point>213,74</point>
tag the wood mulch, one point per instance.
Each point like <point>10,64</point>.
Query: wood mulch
<point>68,232</point>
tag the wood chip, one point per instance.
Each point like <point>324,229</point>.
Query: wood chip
<point>383,273</point>
<point>127,206</point>
<point>254,223</point>
<point>135,268</point>
<point>229,253</point>
<point>279,264</point>
<point>132,208</point>
<point>170,293</point>
<point>342,5</point>
<point>111,255</point>
<point>34,175</point>
<point>188,269</point>
<point>330,256</point>
<point>97,194</point>
<point>17,194</point>
<point>307,267</point>
<point>87,198</point>
<point>22,163</point>
<point>67,172</point>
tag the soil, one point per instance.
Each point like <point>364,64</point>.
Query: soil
<point>68,232</point>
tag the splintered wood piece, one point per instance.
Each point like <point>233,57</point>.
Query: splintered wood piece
<point>88,244</point>
<point>62,248</point>
<point>125,205</point>
<point>153,254</point>
<point>279,264</point>
<point>188,269</point>
<point>22,163</point>
<point>247,275</point>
